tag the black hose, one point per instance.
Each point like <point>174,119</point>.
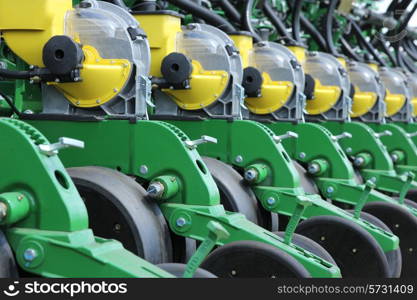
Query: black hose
<point>348,50</point>
<point>231,12</point>
<point>11,104</point>
<point>296,20</point>
<point>410,51</point>
<point>328,28</point>
<point>358,33</point>
<point>205,14</point>
<point>279,25</point>
<point>11,74</point>
<point>315,34</point>
<point>247,20</point>
<point>387,51</point>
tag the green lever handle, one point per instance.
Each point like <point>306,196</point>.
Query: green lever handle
<point>369,186</point>
<point>302,204</point>
<point>216,232</point>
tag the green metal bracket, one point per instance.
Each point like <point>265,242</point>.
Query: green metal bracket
<point>216,233</point>
<point>57,244</point>
<point>295,219</point>
<point>197,201</point>
<point>363,199</point>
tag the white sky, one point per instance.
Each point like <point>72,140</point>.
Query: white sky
<point>384,5</point>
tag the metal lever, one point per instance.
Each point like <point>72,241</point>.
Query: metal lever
<point>384,133</point>
<point>411,135</point>
<point>289,135</point>
<point>344,135</point>
<point>302,204</point>
<point>369,186</point>
<point>204,139</point>
<point>216,233</point>
<point>64,142</point>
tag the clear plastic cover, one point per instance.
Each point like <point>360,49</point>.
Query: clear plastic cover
<point>394,81</point>
<point>365,78</point>
<point>277,61</point>
<point>208,45</point>
<point>104,26</point>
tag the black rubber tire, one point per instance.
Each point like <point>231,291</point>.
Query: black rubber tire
<point>355,251</point>
<point>404,225</point>
<point>237,196</point>
<point>114,199</point>
<point>309,245</point>
<point>8,268</point>
<point>394,257</point>
<point>306,181</point>
<point>178,271</point>
<point>250,259</point>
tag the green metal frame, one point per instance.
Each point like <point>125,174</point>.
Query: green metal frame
<point>319,141</point>
<point>151,149</point>
<point>247,143</point>
<point>46,222</point>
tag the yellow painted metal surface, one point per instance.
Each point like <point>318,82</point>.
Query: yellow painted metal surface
<point>206,88</point>
<point>274,95</point>
<point>394,103</point>
<point>414,103</point>
<point>363,102</point>
<point>325,97</point>
<point>102,78</point>
<point>32,22</point>
<point>244,44</point>
<point>162,33</point>
<point>299,52</point>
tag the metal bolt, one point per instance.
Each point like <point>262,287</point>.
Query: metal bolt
<point>271,201</point>
<point>28,112</point>
<point>234,273</point>
<point>373,179</point>
<point>397,225</point>
<point>394,157</point>
<point>359,161</point>
<point>143,169</point>
<point>181,222</point>
<point>330,190</point>
<point>30,254</point>
<point>98,101</point>
<point>313,168</point>
<point>354,250</point>
<point>3,210</point>
<point>239,159</point>
<point>302,155</point>
<point>349,150</point>
<point>411,250</point>
<point>156,189</point>
<point>323,238</point>
<point>251,175</point>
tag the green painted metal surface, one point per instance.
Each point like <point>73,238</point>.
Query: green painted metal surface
<point>48,217</point>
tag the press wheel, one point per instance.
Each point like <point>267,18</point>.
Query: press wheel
<point>8,268</point>
<point>394,257</point>
<point>237,196</point>
<point>119,209</point>
<point>355,251</point>
<point>250,259</point>
<point>404,225</point>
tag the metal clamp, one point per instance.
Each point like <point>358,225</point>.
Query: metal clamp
<point>204,139</point>
<point>411,135</point>
<point>64,142</point>
<point>384,133</point>
<point>344,135</point>
<point>289,135</point>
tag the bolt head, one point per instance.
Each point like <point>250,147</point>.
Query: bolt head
<point>330,190</point>
<point>3,210</point>
<point>156,189</point>
<point>358,161</point>
<point>239,159</point>
<point>30,254</point>
<point>271,201</point>
<point>143,169</point>
<point>251,175</point>
<point>181,222</point>
<point>302,155</point>
<point>313,168</point>
<point>349,150</point>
